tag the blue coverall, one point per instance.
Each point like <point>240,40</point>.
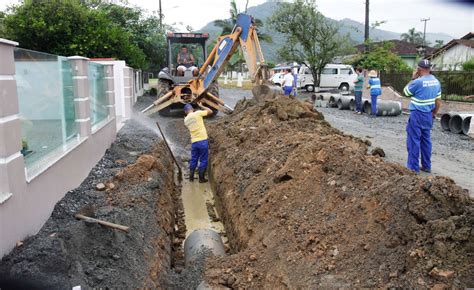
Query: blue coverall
<point>199,152</point>
<point>423,92</point>
<point>375,91</point>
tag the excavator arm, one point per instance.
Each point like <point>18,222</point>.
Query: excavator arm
<point>198,90</point>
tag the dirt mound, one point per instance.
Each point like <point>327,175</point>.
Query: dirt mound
<point>305,206</point>
<point>139,171</point>
<point>69,252</point>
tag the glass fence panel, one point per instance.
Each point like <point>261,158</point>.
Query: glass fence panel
<point>98,97</point>
<point>46,99</point>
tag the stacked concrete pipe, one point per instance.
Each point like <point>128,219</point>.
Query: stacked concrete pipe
<point>456,123</point>
<point>384,108</point>
<point>332,103</point>
<point>344,102</point>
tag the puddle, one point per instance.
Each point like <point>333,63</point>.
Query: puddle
<point>195,196</point>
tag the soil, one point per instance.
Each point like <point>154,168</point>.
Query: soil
<point>305,206</point>
<point>138,174</point>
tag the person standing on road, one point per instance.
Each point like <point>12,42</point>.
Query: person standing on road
<point>375,91</point>
<point>200,146</point>
<point>287,84</point>
<point>358,85</point>
<point>425,93</point>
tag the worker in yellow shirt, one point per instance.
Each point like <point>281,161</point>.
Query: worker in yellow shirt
<point>200,145</point>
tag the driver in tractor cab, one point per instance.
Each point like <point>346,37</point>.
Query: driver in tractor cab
<point>186,62</point>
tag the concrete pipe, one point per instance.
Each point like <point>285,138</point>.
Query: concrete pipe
<point>445,118</point>
<point>466,125</point>
<point>333,100</point>
<point>455,123</point>
<point>366,106</point>
<point>344,102</point>
<point>352,105</point>
<point>384,108</point>
<point>202,243</point>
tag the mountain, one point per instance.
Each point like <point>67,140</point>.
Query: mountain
<point>347,26</point>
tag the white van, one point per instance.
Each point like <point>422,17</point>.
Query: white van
<point>339,76</point>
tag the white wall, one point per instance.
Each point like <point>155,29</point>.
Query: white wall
<point>453,58</point>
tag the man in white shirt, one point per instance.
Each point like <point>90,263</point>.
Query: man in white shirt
<point>287,84</point>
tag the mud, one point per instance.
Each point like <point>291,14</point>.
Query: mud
<point>138,173</point>
<point>305,205</point>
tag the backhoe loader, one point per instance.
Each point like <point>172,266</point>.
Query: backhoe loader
<point>198,90</point>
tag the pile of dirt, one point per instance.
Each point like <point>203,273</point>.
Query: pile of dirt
<point>306,206</point>
<point>138,173</point>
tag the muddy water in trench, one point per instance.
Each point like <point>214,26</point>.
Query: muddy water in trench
<point>195,198</point>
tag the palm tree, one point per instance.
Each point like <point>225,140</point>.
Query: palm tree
<point>412,36</point>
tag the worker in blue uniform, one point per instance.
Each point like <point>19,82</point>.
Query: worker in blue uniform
<point>425,93</point>
<point>375,91</point>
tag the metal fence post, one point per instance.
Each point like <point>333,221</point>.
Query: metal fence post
<point>81,94</point>
<point>12,165</point>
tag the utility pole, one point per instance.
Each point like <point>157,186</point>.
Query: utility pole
<point>424,36</point>
<point>366,32</point>
<point>161,16</point>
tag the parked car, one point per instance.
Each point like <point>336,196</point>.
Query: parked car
<point>339,76</point>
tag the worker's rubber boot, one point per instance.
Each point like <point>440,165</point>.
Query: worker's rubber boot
<point>202,178</point>
<point>191,175</point>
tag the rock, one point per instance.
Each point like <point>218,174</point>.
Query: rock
<point>435,272</point>
<point>19,244</point>
<point>378,152</point>
<point>252,257</point>
<point>116,257</point>
<point>111,185</point>
<point>393,274</point>
<point>100,186</point>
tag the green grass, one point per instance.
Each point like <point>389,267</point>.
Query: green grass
<point>456,98</point>
<point>152,81</point>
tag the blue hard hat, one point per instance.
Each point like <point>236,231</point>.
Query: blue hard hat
<point>188,107</point>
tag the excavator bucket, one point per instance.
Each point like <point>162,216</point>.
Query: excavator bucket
<point>266,91</point>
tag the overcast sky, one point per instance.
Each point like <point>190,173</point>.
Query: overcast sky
<point>446,15</point>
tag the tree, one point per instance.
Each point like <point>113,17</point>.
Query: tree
<point>145,31</point>
<point>413,36</point>
<point>468,65</point>
<point>438,43</point>
<point>70,28</point>
<point>382,59</point>
<point>311,39</point>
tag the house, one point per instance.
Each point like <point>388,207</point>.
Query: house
<point>407,51</point>
<point>452,55</point>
